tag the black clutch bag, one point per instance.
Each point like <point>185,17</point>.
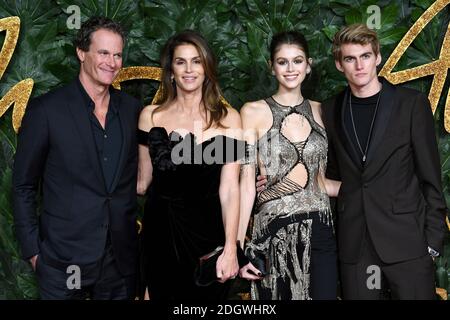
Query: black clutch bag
<point>205,272</point>
<point>259,261</point>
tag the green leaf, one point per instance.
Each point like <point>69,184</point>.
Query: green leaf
<point>392,36</point>
<point>339,9</point>
<point>330,31</point>
<point>389,16</point>
<point>354,16</point>
<point>292,8</point>
<point>256,43</point>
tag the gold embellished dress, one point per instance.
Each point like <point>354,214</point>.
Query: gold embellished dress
<point>285,211</point>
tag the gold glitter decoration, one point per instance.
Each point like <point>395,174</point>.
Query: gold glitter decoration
<point>12,27</point>
<point>152,73</point>
<point>442,293</point>
<point>437,68</point>
<point>131,73</point>
<point>21,92</point>
<point>19,95</point>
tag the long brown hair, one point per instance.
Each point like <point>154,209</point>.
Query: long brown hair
<point>210,91</point>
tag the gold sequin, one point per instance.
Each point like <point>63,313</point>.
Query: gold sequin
<point>131,73</point>
<point>20,93</point>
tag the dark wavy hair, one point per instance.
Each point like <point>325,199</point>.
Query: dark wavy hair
<point>83,38</point>
<point>211,93</point>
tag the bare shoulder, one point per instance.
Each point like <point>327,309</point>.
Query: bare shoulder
<point>146,117</point>
<point>255,112</point>
<point>316,108</point>
<point>232,119</point>
<point>232,123</point>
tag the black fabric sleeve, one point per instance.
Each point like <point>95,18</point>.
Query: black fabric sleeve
<point>142,137</point>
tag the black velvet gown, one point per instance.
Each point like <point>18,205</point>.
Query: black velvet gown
<point>183,218</point>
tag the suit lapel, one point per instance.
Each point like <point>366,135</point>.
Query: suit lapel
<point>382,119</point>
<point>83,124</point>
<point>126,134</point>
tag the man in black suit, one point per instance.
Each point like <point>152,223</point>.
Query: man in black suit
<point>382,145</point>
<point>77,149</point>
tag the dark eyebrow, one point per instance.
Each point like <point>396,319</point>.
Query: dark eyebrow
<point>362,54</point>
<point>366,53</point>
<point>299,56</point>
<point>180,58</point>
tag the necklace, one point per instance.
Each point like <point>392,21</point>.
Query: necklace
<point>364,153</point>
<point>301,100</point>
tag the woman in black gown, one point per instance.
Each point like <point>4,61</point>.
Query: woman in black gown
<point>189,164</point>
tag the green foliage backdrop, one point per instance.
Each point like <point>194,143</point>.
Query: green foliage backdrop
<point>239,32</point>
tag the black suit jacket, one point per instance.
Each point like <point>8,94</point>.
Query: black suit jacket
<point>56,147</point>
<point>397,196</point>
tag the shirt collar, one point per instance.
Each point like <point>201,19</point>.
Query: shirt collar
<point>89,104</point>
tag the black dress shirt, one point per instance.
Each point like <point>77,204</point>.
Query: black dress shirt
<point>108,140</point>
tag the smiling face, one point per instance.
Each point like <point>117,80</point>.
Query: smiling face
<point>187,68</point>
<point>359,65</point>
<point>290,66</point>
<point>100,65</point>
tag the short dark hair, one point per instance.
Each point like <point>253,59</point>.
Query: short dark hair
<point>83,39</point>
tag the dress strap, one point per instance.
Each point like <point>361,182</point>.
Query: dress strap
<point>277,113</point>
<point>307,109</point>
<point>142,137</point>
<point>271,103</point>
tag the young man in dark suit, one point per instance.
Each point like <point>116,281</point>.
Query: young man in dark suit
<point>382,145</point>
<point>77,145</point>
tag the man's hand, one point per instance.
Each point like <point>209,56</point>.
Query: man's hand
<point>33,262</point>
<point>433,253</point>
<point>261,182</point>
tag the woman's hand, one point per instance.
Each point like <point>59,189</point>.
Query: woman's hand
<point>249,272</point>
<point>261,182</point>
<point>227,266</point>
<point>332,187</point>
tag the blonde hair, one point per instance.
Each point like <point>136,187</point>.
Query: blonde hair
<point>357,33</point>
